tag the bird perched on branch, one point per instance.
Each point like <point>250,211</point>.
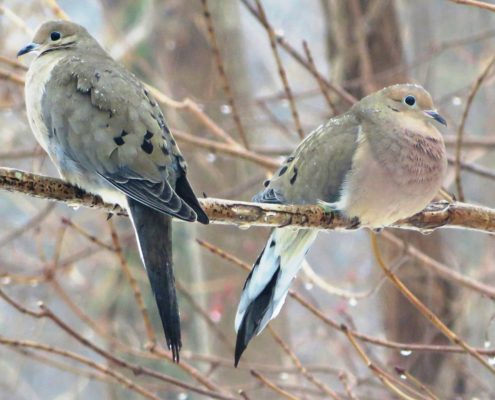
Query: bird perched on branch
<point>381,161</point>
<point>106,134</point>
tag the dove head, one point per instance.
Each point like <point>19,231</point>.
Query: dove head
<point>58,35</point>
<point>405,103</point>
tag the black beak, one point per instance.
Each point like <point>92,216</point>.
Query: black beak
<point>436,116</point>
<point>27,49</point>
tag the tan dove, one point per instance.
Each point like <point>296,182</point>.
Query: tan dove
<point>381,161</point>
<point>107,135</point>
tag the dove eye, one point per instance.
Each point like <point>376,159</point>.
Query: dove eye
<point>410,100</point>
<point>55,36</point>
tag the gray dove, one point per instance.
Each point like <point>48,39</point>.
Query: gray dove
<point>107,135</point>
<point>381,161</point>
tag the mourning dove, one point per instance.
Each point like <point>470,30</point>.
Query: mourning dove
<point>381,161</point>
<point>106,134</point>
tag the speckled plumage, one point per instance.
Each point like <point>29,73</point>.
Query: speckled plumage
<point>107,135</point>
<point>381,161</point>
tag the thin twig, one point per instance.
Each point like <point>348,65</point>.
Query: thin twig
<point>473,168</point>
<point>344,94</point>
<point>227,149</point>
<point>57,10</point>
<point>31,223</point>
<point>281,69</point>
<point>347,386</point>
<point>150,333</point>
<point>204,314</point>
<point>195,109</point>
<point>127,383</point>
<point>446,272</point>
<point>425,310</point>
<point>374,368</point>
<point>322,86</point>
<point>18,21</point>
<point>295,360</point>
<point>91,238</point>
<point>476,3</point>
<point>11,76</point>
<point>365,66</point>
<point>12,63</point>
<point>268,383</point>
<point>460,131</point>
<point>410,377</point>
<point>223,75</point>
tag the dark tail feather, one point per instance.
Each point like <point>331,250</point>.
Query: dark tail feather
<point>153,231</point>
<point>254,315</point>
<point>185,192</point>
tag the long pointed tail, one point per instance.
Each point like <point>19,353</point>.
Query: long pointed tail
<point>268,283</point>
<point>154,236</point>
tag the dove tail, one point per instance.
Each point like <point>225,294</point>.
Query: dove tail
<point>154,236</point>
<point>268,283</point>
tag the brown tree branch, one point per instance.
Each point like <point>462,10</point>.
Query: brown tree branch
<point>476,3</point>
<point>436,215</point>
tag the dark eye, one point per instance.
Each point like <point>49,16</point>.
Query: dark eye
<point>410,100</point>
<point>55,36</point>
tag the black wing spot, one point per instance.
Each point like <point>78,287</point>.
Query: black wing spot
<point>97,76</point>
<point>164,149</point>
<point>294,177</point>
<point>147,147</point>
<point>283,170</point>
<point>119,140</point>
<point>272,243</point>
<point>266,183</point>
<point>289,159</point>
<point>148,135</point>
<point>172,141</point>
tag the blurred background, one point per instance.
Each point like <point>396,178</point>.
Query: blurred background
<point>67,258</point>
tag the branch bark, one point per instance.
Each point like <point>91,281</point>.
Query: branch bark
<point>231,212</point>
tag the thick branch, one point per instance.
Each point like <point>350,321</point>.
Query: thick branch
<point>436,215</point>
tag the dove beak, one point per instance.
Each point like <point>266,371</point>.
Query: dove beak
<point>27,49</point>
<point>436,116</point>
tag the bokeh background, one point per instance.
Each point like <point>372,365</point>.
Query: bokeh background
<point>66,258</point>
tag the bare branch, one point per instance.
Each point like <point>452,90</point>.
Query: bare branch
<point>436,215</point>
<point>476,3</point>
